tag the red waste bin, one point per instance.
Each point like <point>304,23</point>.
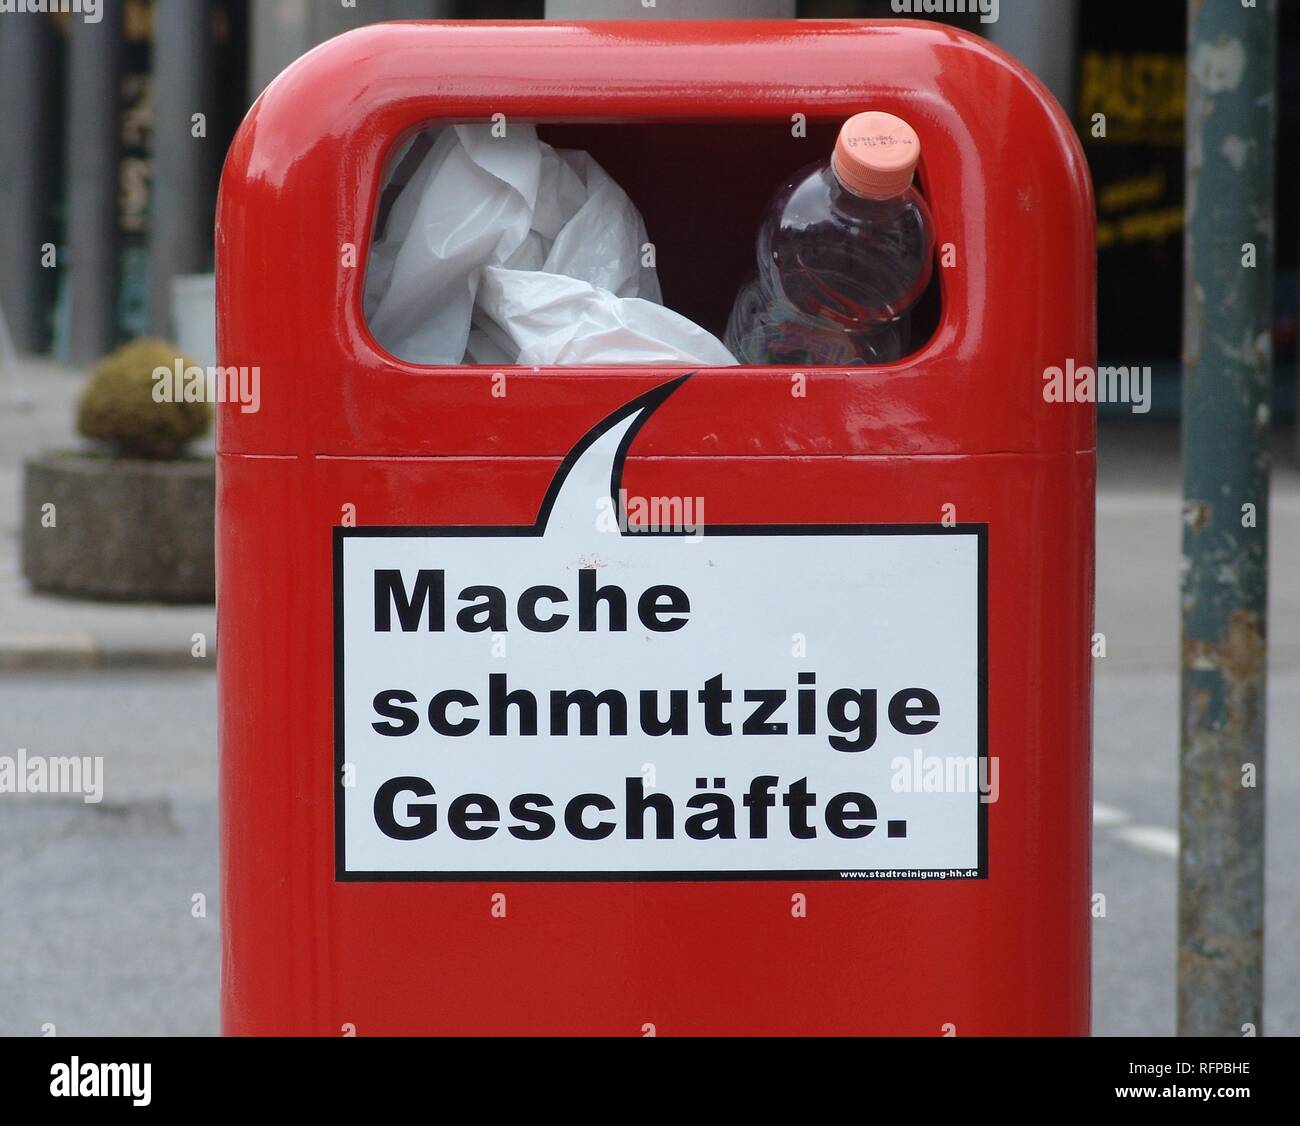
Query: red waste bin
<point>886,580</point>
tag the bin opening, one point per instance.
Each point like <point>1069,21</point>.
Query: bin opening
<point>701,189</point>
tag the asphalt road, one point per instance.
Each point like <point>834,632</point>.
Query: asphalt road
<point>97,934</point>
<point>97,927</point>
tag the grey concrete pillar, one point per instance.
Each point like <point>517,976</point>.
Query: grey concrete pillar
<point>29,149</point>
<point>281,30</point>
<point>94,131</point>
<point>669,9</point>
<point>1042,34</point>
<point>185,167</point>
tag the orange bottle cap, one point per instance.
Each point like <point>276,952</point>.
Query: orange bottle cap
<point>875,155</point>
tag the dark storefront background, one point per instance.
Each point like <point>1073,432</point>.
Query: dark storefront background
<point>1132,68</point>
<point>1129,66</point>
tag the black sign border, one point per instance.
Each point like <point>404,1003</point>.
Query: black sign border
<point>651,400</point>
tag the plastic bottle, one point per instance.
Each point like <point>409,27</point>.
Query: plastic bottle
<point>845,249</point>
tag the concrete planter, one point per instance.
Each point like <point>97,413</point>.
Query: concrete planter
<point>131,531</point>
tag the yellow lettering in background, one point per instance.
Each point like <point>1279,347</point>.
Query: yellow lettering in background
<point>1146,226</point>
<point>1136,190</point>
<point>138,20</point>
<point>1143,95</point>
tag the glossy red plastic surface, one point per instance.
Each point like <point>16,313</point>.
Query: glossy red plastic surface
<point>962,422</point>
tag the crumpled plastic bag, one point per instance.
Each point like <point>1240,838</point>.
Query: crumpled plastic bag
<point>502,250</point>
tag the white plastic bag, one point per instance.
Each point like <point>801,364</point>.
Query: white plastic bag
<point>503,250</point>
<point>551,319</point>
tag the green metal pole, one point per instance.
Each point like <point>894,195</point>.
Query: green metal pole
<point>1228,364</point>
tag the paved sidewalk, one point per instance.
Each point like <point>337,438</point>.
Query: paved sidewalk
<point>37,411</point>
<point>1139,498</point>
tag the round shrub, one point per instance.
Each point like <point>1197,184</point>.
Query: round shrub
<point>118,404</point>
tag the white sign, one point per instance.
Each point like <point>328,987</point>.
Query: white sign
<point>590,699</point>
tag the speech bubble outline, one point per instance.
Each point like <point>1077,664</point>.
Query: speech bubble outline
<point>581,477</point>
